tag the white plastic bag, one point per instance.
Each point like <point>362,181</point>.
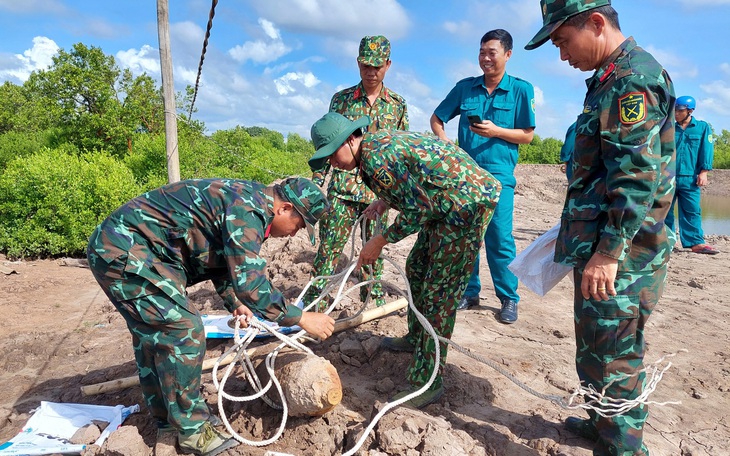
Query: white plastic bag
<point>52,424</point>
<point>535,267</point>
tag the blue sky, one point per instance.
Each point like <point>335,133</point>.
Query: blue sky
<point>276,63</point>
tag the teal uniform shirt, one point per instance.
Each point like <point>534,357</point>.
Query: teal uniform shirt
<point>695,152</point>
<point>510,105</point>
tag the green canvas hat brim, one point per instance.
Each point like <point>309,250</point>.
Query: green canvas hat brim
<point>322,154</point>
<point>543,35</point>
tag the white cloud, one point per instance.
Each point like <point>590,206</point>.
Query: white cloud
<point>349,19</point>
<point>539,97</point>
<point>39,57</point>
<point>32,6</point>
<point>145,60</point>
<point>695,3</point>
<point>464,29</point>
<point>718,100</point>
<point>186,43</point>
<point>269,28</point>
<point>261,51</point>
<point>725,68</point>
<point>288,83</point>
<point>677,67</point>
<point>513,16</point>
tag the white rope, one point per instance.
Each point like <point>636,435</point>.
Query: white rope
<point>597,401</point>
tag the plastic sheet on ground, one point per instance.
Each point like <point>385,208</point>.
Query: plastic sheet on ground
<point>216,327</point>
<point>52,425</point>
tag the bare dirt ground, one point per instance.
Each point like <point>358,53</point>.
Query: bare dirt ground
<point>59,332</point>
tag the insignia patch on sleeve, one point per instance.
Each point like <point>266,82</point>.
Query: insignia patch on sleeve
<point>384,178</point>
<point>632,108</point>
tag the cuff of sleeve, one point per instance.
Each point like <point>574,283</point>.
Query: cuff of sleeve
<point>613,246</point>
<point>291,317</point>
<point>230,302</point>
<point>393,235</point>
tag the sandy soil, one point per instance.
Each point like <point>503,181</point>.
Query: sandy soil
<point>60,333</point>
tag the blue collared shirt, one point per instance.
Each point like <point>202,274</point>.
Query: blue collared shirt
<point>510,105</point>
<point>695,151</point>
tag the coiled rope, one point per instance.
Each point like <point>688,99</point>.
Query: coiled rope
<point>595,400</point>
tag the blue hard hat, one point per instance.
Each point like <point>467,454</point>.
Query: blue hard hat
<point>685,102</point>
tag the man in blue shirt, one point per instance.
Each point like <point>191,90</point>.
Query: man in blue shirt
<point>497,113</point>
<point>694,161</point>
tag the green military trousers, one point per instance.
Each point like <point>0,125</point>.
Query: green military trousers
<point>438,269</point>
<point>168,341</point>
<point>335,228</point>
<point>610,347</point>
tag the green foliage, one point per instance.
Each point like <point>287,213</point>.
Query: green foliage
<point>722,151</point>
<point>15,144</point>
<point>51,201</point>
<point>147,160</point>
<point>236,153</point>
<point>540,151</point>
<point>93,103</point>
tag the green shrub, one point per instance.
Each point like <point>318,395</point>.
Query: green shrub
<point>14,144</point>
<point>540,151</point>
<point>722,150</point>
<point>51,201</point>
<point>147,160</point>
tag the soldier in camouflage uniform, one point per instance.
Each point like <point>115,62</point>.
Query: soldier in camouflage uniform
<point>348,195</point>
<point>148,251</point>
<point>441,194</point>
<point>613,224</point>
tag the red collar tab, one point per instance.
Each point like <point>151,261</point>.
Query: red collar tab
<point>608,72</point>
<point>268,232</point>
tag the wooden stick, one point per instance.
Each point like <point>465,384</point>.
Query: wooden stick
<point>128,382</point>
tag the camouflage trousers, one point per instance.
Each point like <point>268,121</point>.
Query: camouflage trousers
<point>610,346</point>
<point>438,270</point>
<point>168,341</point>
<point>335,227</point>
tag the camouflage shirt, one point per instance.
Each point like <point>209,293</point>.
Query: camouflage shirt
<point>624,170</point>
<point>195,230</point>
<point>426,179</point>
<point>389,112</point>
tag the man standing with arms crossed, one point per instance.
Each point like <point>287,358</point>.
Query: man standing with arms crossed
<point>497,113</point>
<point>349,196</point>
<point>612,228</point>
<point>693,138</point>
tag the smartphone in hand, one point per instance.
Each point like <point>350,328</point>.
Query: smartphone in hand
<point>474,119</point>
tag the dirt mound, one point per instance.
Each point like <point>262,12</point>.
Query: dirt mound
<point>60,333</point>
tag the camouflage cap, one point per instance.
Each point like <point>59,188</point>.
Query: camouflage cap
<point>307,199</point>
<point>555,12</point>
<point>374,50</point>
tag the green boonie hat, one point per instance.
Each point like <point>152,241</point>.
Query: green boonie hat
<point>329,133</point>
<point>374,50</point>
<point>307,199</point>
<point>555,12</point>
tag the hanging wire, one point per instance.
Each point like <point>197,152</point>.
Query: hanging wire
<point>202,55</point>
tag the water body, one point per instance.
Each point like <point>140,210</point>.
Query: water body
<point>715,214</point>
